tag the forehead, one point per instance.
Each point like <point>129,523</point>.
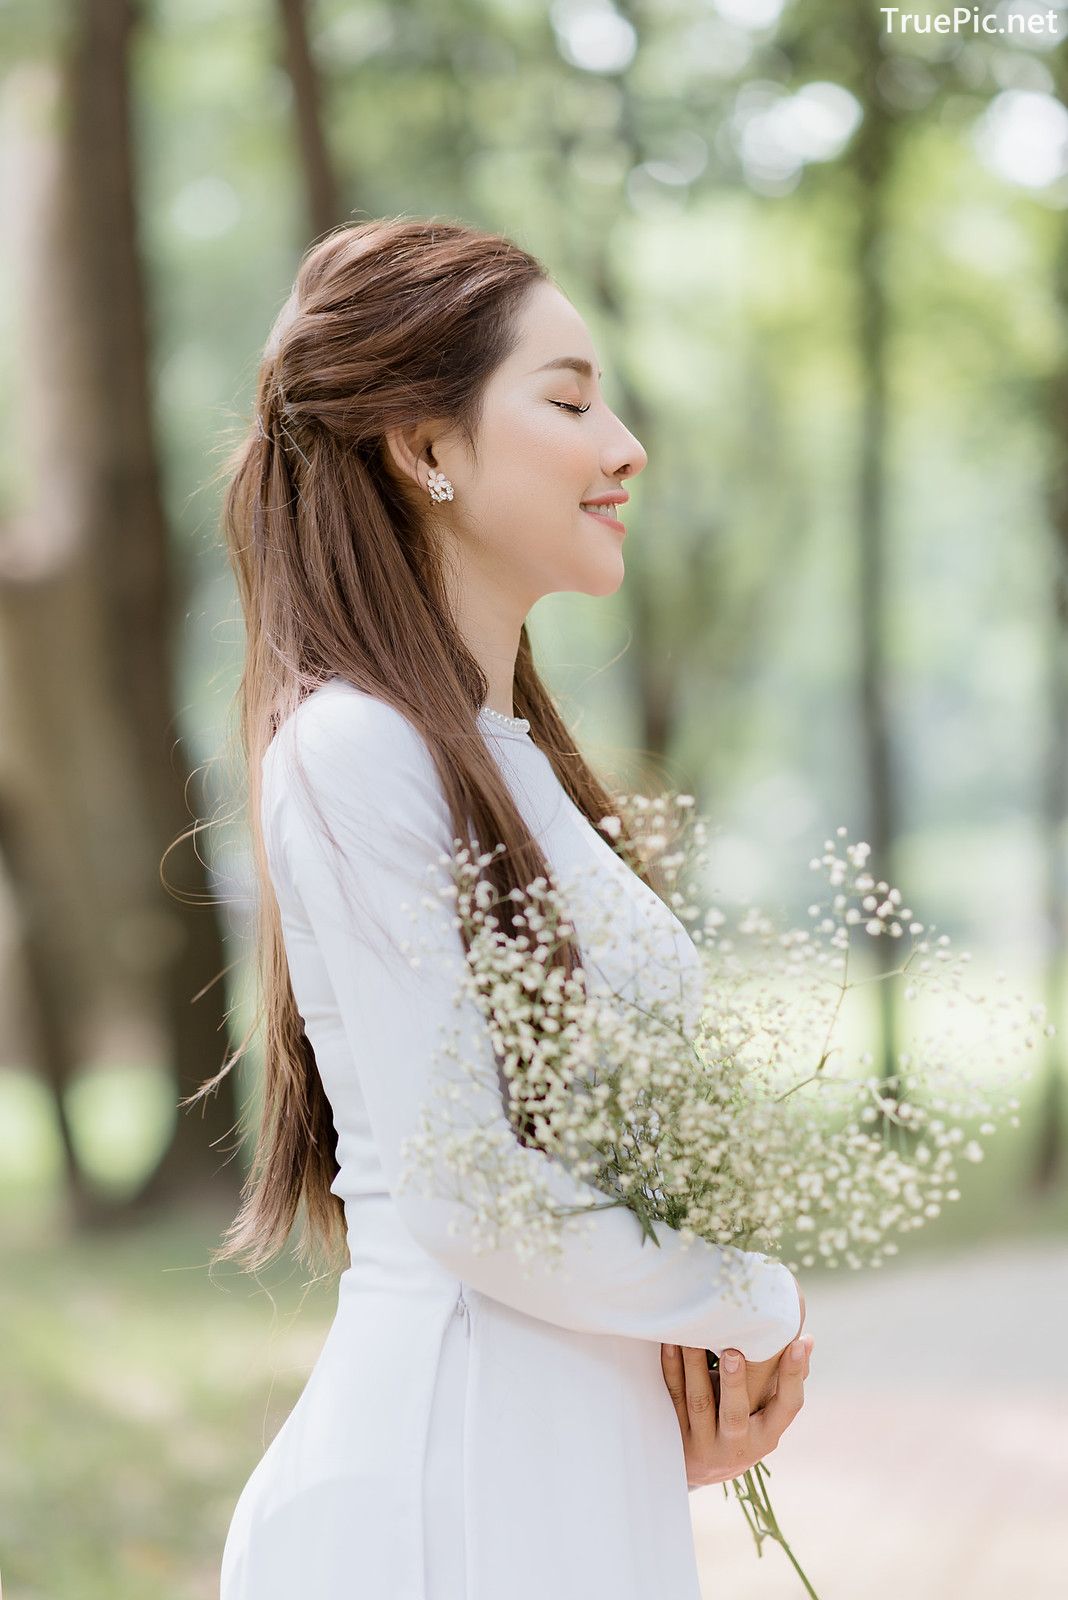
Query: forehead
<point>549,328</point>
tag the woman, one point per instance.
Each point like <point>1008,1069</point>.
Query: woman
<point>431,455</point>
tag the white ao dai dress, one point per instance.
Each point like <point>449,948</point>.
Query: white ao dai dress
<point>473,1428</point>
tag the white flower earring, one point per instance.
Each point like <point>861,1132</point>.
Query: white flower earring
<point>439,486</point>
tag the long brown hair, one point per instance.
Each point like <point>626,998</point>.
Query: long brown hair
<point>340,573</point>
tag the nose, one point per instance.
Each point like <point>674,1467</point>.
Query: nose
<point>626,457</point>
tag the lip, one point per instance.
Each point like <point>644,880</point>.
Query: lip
<point>616,498</point>
<point>606,522</point>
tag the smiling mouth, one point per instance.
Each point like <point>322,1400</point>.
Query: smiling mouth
<point>606,514</point>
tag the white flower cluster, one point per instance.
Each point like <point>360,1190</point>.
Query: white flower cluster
<point>753,1129</point>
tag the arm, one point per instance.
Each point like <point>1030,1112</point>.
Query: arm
<point>374,784</point>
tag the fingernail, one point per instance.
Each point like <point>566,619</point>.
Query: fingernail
<point>797,1352</point>
<point>731,1360</point>
<point>671,1349</point>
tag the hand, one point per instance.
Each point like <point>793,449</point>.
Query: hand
<point>760,1380</point>
<point>761,1375</point>
<point>722,1436</point>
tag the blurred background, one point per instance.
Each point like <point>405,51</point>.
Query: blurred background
<point>824,261</point>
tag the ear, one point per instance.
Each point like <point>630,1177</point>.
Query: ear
<point>411,452</point>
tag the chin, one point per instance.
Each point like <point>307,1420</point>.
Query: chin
<point>606,580</point>
<point>599,577</point>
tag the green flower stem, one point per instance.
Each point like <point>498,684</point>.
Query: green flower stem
<point>755,1495</point>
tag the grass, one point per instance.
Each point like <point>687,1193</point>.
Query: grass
<point>137,1394</point>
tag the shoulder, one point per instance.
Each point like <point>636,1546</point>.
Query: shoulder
<point>350,751</point>
<point>344,730</point>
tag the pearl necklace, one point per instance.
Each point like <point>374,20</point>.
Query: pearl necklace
<point>514,724</point>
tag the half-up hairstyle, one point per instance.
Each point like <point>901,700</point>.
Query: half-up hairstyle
<point>341,573</point>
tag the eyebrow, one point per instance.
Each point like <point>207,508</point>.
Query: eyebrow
<point>576,363</point>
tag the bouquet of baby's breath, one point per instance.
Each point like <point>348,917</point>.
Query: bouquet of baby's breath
<point>720,1101</point>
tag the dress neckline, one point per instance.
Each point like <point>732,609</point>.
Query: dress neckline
<point>510,727</point>
<point>492,721</point>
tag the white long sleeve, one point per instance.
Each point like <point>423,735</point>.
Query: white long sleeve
<point>374,785</point>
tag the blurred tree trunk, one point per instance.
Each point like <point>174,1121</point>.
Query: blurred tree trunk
<point>320,176</point>
<point>844,44</point>
<point>691,625</point>
<point>871,162</point>
<point>1050,1154</point>
<point>95,790</point>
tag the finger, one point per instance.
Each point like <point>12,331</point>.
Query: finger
<point>674,1377</point>
<point>733,1396</point>
<point>789,1397</point>
<point>807,1342</point>
<point>700,1396</point>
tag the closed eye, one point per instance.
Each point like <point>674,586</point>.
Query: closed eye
<point>580,411</point>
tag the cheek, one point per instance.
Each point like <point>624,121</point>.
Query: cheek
<point>537,451</point>
<point>535,468</point>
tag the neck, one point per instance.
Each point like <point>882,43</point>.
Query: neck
<point>490,623</point>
